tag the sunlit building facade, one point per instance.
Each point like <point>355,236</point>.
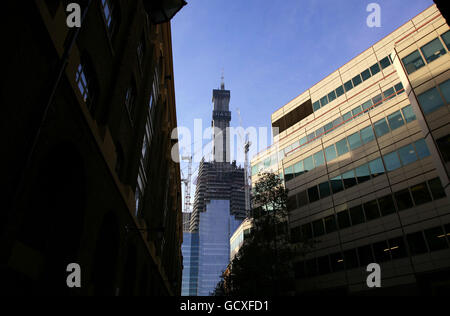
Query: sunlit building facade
<point>365,154</point>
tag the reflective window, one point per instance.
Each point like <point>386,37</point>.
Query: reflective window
<point>389,93</point>
<point>381,127</point>
<point>347,117</point>
<point>310,137</point>
<point>302,198</point>
<point>313,194</point>
<point>342,147</point>
<point>319,132</point>
<point>330,152</point>
<point>302,141</point>
<point>385,62</point>
<point>308,163</point>
<point>337,121</point>
<point>354,141</point>
<point>324,189</point>
<point>331,96</point>
<point>430,100</point>
<point>377,100</point>
<point>349,179</point>
<point>330,224</point>
<point>366,74</point>
<point>367,134</point>
<point>319,159</point>
<point>391,161</point>
<point>421,148</point>
<point>336,184</point>
<point>362,173</point>
<point>433,50</point>
<point>446,38</point>
<point>371,210</point>
<point>381,251</point>
<point>420,193</point>
<point>357,215</point>
<point>407,154</point>
<point>316,105</point>
<point>375,69</point>
<point>387,205</point>
<point>416,243</point>
<point>348,85</point>
<point>403,199</point>
<point>395,120</point>
<point>356,80</point>
<point>366,105</point>
<point>356,111</point>
<point>436,188</point>
<point>288,173</point>
<point>408,113</point>
<point>445,90</point>
<point>376,167</point>
<point>399,88</point>
<point>412,62</point>
<point>324,101</point>
<point>298,168</point>
<point>343,219</point>
<point>318,228</point>
<point>340,91</point>
<point>328,127</point>
<point>436,238</point>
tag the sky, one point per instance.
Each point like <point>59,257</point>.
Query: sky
<point>269,51</point>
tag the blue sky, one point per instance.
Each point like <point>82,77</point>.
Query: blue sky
<point>271,51</point>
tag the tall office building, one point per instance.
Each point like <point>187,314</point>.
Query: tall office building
<point>88,138</point>
<point>365,154</point>
<point>219,208</point>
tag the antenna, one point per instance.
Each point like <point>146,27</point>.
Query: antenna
<point>222,83</point>
<point>247,145</point>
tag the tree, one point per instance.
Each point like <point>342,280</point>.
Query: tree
<point>263,265</point>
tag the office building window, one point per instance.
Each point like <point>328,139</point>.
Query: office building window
<point>381,127</point>
<point>330,224</point>
<point>348,86</point>
<point>130,100</point>
<point>342,147</point>
<point>365,255</point>
<point>350,259</point>
<point>436,238</point>
<point>324,101</point>
<point>366,74</point>
<point>416,243</point>
<point>349,179</point>
<point>362,173</point>
<point>367,134</point>
<point>408,113</point>
<point>308,163</point>
<point>407,154</point>
<point>421,148</point>
<point>336,184</point>
<point>433,50</point>
<point>377,100</point>
<point>357,111</point>
<point>436,188</point>
<point>319,159</point>
<point>387,205</point>
<point>446,38</point>
<point>443,144</point>
<point>395,120</point>
<point>331,96</point>
<point>328,127</point>
<point>354,141</point>
<point>298,169</point>
<point>302,141</point>
<point>110,13</point>
<point>357,215</point>
<point>375,68</point>
<point>307,232</point>
<point>356,80</point>
<point>288,173</point>
<point>371,210</point>
<point>413,61</point>
<point>376,167</point>
<point>399,88</point>
<point>324,189</point>
<point>310,137</point>
<point>420,193</point>
<point>313,194</point>
<point>366,106</point>
<point>403,199</point>
<point>381,251</point>
<point>445,90</point>
<point>85,83</point>
<point>391,161</point>
<point>302,198</point>
<point>347,117</point>
<point>343,219</point>
<point>385,62</point>
<point>316,105</point>
<point>389,93</point>
<point>337,262</point>
<point>330,153</point>
<point>291,203</point>
<point>397,248</point>
<point>323,264</point>
<point>337,121</point>
<point>339,91</point>
<point>318,228</point>
<point>430,100</point>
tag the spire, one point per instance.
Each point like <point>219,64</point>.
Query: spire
<point>222,84</point>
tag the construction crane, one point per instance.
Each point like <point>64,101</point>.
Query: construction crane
<point>247,144</point>
<point>187,184</point>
